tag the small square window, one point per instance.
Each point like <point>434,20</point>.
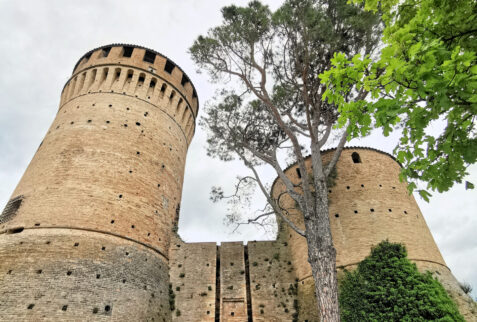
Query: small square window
<point>128,50</point>
<point>169,66</point>
<point>105,51</point>
<point>149,57</point>
<point>184,80</point>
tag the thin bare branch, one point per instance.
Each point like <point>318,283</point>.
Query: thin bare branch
<point>337,153</point>
<point>272,203</point>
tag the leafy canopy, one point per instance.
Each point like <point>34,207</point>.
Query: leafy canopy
<point>274,108</point>
<point>426,72</point>
<point>386,286</point>
<point>275,57</point>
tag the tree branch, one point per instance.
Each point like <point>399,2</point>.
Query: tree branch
<point>272,203</point>
<point>336,154</point>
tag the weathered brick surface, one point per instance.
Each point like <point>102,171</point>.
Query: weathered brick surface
<point>193,280</point>
<point>233,296</point>
<point>75,275</point>
<point>156,69</point>
<point>93,238</point>
<point>111,167</point>
<point>307,301</point>
<point>273,283</point>
<point>368,204</point>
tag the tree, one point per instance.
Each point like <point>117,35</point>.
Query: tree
<point>426,73</point>
<point>386,286</point>
<point>275,59</point>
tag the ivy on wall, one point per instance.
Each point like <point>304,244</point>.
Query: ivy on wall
<point>386,286</point>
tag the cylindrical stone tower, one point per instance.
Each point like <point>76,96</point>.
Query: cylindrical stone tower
<point>86,234</point>
<point>367,204</point>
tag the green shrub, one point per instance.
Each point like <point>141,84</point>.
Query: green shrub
<point>386,286</point>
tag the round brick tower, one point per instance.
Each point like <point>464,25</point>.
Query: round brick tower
<point>367,204</point>
<point>88,228</point>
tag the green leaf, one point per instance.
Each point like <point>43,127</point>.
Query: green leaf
<point>424,195</point>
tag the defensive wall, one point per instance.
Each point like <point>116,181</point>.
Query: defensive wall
<point>90,231</point>
<point>367,204</point>
<point>88,228</point>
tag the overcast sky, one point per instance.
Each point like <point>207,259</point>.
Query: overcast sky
<point>41,40</point>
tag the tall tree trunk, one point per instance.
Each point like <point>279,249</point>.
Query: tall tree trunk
<point>322,257</point>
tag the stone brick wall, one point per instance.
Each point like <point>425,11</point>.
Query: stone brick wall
<point>232,282</point>
<point>110,167</point>
<point>90,232</point>
<point>368,204</point>
<point>76,275</point>
<point>273,282</point>
<point>193,280</point>
<point>176,79</point>
<point>233,292</point>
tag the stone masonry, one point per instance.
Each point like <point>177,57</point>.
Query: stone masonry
<point>90,232</point>
<point>90,238</point>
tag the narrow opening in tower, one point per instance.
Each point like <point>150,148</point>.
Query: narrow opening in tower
<point>15,230</point>
<point>169,66</point>
<point>184,80</point>
<point>105,51</point>
<point>117,74</point>
<point>149,57</point>
<point>173,93</point>
<point>91,79</point>
<point>356,158</point>
<point>142,78</point>
<point>152,84</point>
<point>163,88</point>
<point>298,172</point>
<point>86,58</point>
<point>127,51</point>
<point>105,74</point>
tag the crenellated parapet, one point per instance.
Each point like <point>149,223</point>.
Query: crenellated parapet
<point>136,72</point>
<point>90,232</point>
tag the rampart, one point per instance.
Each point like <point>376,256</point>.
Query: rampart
<point>90,230</point>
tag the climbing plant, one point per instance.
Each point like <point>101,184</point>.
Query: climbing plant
<point>386,286</point>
